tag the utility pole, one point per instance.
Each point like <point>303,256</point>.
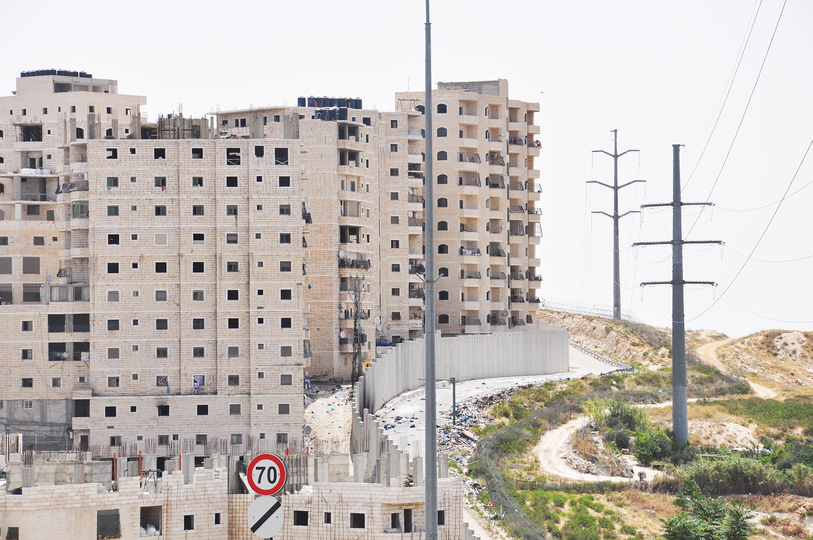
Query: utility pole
<point>430,426</point>
<point>680,413</point>
<point>357,369</point>
<point>615,217</point>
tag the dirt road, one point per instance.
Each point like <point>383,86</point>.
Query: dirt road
<point>708,353</point>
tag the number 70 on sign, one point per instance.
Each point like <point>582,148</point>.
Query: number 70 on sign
<point>266,474</point>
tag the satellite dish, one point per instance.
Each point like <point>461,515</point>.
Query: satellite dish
<point>410,191</point>
<point>49,278</point>
<point>523,289</point>
<point>342,334</point>
<point>341,253</point>
<point>379,327</point>
<point>304,322</point>
<point>310,209</point>
<point>505,313</point>
<point>410,213</point>
<point>344,305</point>
<point>378,321</point>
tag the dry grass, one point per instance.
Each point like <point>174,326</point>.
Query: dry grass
<point>641,510</point>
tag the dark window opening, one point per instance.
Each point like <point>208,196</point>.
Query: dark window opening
<point>280,156</point>
<point>232,156</point>
<point>357,520</point>
<point>301,518</point>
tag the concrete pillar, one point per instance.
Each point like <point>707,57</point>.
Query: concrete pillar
<point>417,472</point>
<point>188,468</point>
<point>132,469</point>
<point>395,468</point>
<point>322,469</point>
<point>360,468</point>
<point>121,468</point>
<point>149,462</point>
<point>443,466</point>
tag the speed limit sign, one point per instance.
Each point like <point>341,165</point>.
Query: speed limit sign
<point>266,474</point>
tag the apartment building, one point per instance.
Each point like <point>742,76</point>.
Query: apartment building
<point>151,289</point>
<point>487,207</point>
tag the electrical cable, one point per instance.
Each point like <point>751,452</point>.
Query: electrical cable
<point>761,236</point>
<point>724,100</point>
<point>765,316</point>
<point>767,205</point>
<point>744,113</point>
<point>767,261</point>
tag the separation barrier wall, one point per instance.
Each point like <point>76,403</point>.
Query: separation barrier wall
<point>466,357</point>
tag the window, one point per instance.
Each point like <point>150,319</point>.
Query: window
<point>357,520</point>
<point>203,410</point>
<point>233,380</point>
<point>442,132</point>
<point>198,296</point>
<point>39,240</point>
<point>328,519</point>
<point>441,517</point>
<point>285,322</point>
<point>197,153</point>
<point>234,409</point>
<point>232,156</point>
<point>198,352</point>
<point>441,108</point>
<point>31,265</point>
<point>159,153</point>
<point>394,171</point>
<point>286,380</point>
<point>134,237</point>
<point>231,238</point>
<point>189,519</point>
<point>112,296</point>
<point>285,266</point>
<point>443,319</point>
<point>395,316</point>
<point>3,239</point>
<point>285,294</point>
<point>217,518</point>
<point>197,181</point>
<point>112,210</point>
<point>443,203</point>
<point>284,408</point>
<point>161,182</point>
<point>161,239</point>
<point>113,324</point>
<point>56,382</point>
<point>393,195</point>
<point>160,268</point>
<point>200,439</point>
<point>27,382</point>
<point>442,156</point>
<point>396,267</point>
<point>231,181</point>
<point>112,181</point>
<point>112,382</point>
<point>300,518</point>
<point>286,351</point>
<point>285,209</point>
<point>232,266</point>
<point>198,267</point>
<point>260,320</point>
<point>160,210</point>
<point>443,248</point>
<point>161,352</point>
<point>394,124</point>
<point>197,210</point>
<point>443,179</point>
<point>233,294</point>
<point>394,220</point>
<point>280,156</point>
<point>395,291</point>
<point>231,210</point>
<point>198,238</point>
<point>443,226</point>
<point>160,296</point>
<point>233,322</point>
<point>110,412</point>
<point>284,181</point>
<point>163,440</point>
<point>198,324</point>
<point>113,353</point>
<point>236,438</point>
<point>233,352</point>
<point>443,272</point>
<point>282,438</point>
<point>395,244</point>
<point>443,295</point>
<point>284,238</point>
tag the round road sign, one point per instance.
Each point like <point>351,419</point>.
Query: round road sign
<point>266,474</point>
<point>265,516</point>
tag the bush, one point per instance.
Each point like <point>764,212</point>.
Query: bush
<point>621,439</point>
<point>794,453</point>
<point>732,475</point>
<point>800,478</point>
<point>682,454</point>
<point>703,518</point>
<point>652,446</point>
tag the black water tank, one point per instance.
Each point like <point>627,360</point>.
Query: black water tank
<point>357,103</point>
<point>341,102</point>
<point>311,101</point>
<point>331,115</point>
<point>300,102</point>
<point>342,113</point>
<point>333,102</point>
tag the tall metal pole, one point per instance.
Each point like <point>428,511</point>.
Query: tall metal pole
<point>680,412</point>
<point>616,217</point>
<point>430,432</point>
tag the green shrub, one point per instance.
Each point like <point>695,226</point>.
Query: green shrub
<point>733,475</point>
<point>800,478</point>
<point>652,446</point>
<point>621,439</point>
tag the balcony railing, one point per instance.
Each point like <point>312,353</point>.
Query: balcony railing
<point>470,251</point>
<point>517,186</point>
<point>517,276</point>
<point>535,211</point>
<point>469,181</point>
<point>516,209</point>
<point>495,182</point>
<point>496,321</point>
<point>468,157</point>
<point>468,321</point>
<point>416,269</point>
<point>496,252</point>
<point>495,160</point>
<point>415,222</point>
<point>535,230</point>
<point>354,263</point>
<point>497,275</point>
<point>417,293</point>
<point>415,199</point>
<point>470,274</point>
<point>516,140</point>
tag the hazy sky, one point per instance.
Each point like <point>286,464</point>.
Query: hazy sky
<point>656,71</point>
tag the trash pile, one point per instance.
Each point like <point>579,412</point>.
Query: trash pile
<point>150,531</point>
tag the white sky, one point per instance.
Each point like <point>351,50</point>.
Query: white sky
<point>656,71</point>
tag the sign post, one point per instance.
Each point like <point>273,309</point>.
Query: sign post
<point>265,516</point>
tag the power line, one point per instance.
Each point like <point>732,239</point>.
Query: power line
<point>767,261</point>
<point>727,93</point>
<point>765,316</point>
<point>761,236</point>
<point>744,112</point>
<point>769,204</point>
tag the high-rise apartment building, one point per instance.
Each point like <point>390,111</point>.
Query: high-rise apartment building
<point>168,287</point>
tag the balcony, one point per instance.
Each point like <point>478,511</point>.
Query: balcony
<point>495,181</point>
<point>470,274</point>
<point>470,251</point>
<point>417,293</point>
<point>416,269</point>
<point>415,199</point>
<point>493,159</point>
<point>497,321</point>
<point>494,251</point>
<point>418,224</point>
<point>535,230</point>
<point>346,262</point>
<point>468,157</point>
<point>532,129</point>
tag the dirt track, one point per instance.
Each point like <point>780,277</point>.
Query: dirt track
<point>708,353</point>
